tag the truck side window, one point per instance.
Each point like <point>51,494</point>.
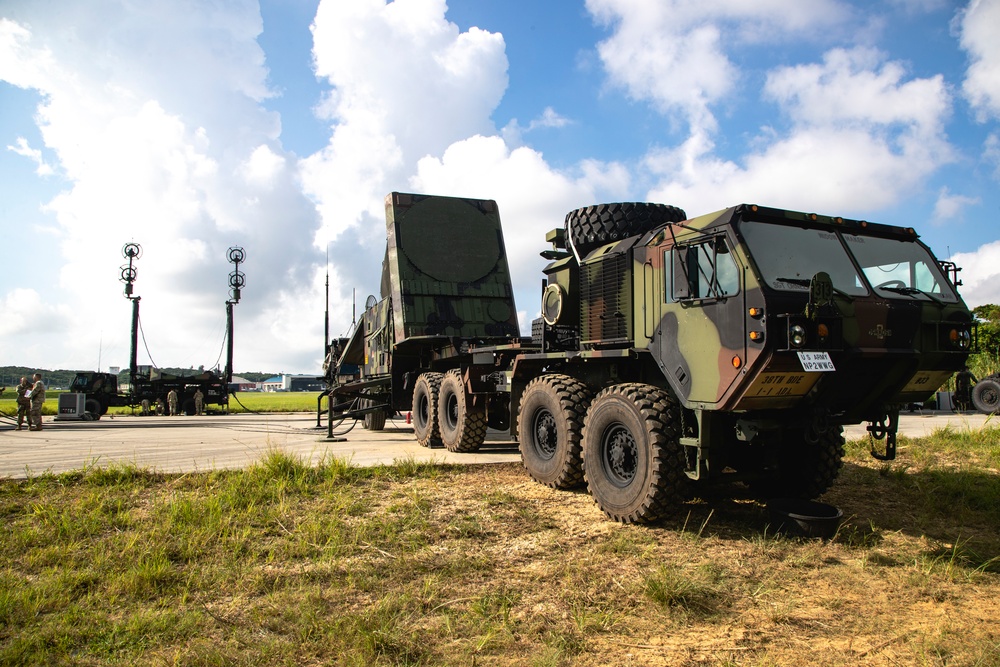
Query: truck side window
<point>703,270</point>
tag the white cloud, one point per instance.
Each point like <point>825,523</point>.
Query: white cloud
<point>149,138</point>
<point>861,135</point>
<point>980,274</point>
<point>673,53</point>
<point>23,149</point>
<point>513,132</point>
<point>977,30</point>
<point>949,208</point>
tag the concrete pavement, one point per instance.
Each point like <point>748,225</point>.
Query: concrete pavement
<point>184,444</point>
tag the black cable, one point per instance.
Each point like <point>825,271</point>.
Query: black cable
<point>253,412</point>
<point>143,334</point>
<point>221,350</point>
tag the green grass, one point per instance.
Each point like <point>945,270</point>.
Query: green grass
<point>420,564</point>
<point>254,401</point>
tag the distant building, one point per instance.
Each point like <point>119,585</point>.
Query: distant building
<point>294,383</point>
<point>243,384</point>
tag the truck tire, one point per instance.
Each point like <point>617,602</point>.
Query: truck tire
<point>550,429</point>
<point>594,226</point>
<point>425,409</point>
<point>986,395</point>
<point>805,469</point>
<point>93,406</point>
<point>461,430</point>
<point>632,458</point>
<point>372,421</point>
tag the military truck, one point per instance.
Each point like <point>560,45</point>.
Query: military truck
<point>102,390</point>
<point>672,354</point>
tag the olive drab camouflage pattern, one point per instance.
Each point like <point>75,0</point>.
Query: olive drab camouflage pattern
<point>447,267</point>
<point>668,352</point>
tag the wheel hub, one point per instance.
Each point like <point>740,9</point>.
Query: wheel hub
<point>620,455</point>
<point>546,436</point>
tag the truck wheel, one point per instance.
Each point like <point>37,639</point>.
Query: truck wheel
<point>425,409</point>
<point>986,395</point>
<point>594,226</point>
<point>632,457</point>
<point>93,406</point>
<point>550,427</point>
<point>373,421</point>
<point>805,469</point>
<point>461,430</point>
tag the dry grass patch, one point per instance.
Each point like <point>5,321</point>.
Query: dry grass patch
<point>416,564</point>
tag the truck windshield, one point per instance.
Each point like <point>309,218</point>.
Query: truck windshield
<point>900,269</point>
<point>788,257</point>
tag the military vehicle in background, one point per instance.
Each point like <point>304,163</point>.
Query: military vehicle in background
<point>92,393</point>
<point>102,390</point>
<point>671,353</point>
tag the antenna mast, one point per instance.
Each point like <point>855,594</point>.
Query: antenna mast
<point>132,252</point>
<point>326,321</point>
<point>236,282</point>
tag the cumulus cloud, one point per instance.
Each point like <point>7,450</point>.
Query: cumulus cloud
<point>980,274</point>
<point>149,141</point>
<point>950,208</point>
<point>23,149</point>
<point>672,54</point>
<point>977,34</point>
<point>859,131</point>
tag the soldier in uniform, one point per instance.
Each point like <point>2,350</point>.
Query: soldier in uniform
<point>23,403</point>
<point>199,401</point>
<point>37,399</point>
<point>145,407</point>
<point>172,401</point>
<point>160,408</point>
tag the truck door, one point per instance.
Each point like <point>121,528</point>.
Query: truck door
<point>700,343</point>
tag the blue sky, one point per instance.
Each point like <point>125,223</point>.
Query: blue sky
<point>190,127</point>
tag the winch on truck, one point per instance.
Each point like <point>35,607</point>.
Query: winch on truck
<point>671,354</point>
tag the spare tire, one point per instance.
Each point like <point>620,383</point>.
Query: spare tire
<point>593,226</point>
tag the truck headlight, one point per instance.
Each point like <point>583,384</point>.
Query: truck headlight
<point>960,338</point>
<point>796,335</point>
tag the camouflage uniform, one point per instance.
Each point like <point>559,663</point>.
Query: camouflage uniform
<point>37,399</point>
<point>172,401</point>
<point>199,401</point>
<point>23,404</point>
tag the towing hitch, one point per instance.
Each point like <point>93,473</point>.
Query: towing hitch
<point>885,429</point>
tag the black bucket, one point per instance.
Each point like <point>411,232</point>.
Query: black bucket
<point>805,518</point>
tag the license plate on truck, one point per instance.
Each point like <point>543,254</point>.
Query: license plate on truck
<point>816,362</point>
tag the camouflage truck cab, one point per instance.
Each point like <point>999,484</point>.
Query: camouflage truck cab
<point>754,334</point>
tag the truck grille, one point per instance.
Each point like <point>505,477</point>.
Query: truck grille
<point>606,303</point>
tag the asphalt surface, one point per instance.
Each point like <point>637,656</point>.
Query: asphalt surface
<point>189,444</point>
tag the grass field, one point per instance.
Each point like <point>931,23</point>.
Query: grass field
<point>418,564</point>
<point>253,401</point>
